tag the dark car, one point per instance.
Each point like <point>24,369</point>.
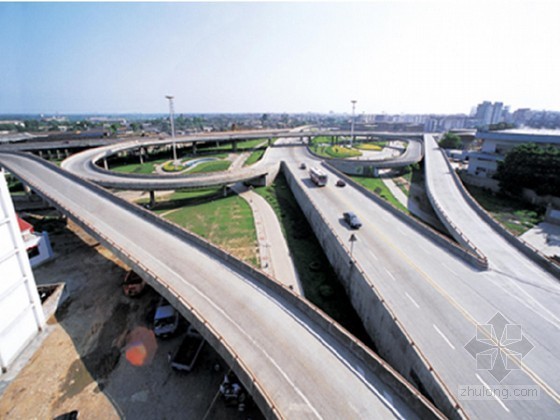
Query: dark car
<point>352,220</point>
<point>340,183</point>
<point>302,165</point>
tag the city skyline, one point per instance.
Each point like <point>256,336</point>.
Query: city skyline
<point>392,57</point>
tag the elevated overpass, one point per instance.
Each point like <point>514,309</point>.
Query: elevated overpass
<point>433,298</point>
<point>296,362</point>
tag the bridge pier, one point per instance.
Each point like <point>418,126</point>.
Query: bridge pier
<point>194,147</point>
<point>152,198</point>
<point>105,164</point>
<point>41,154</point>
<point>234,146</point>
<point>270,141</point>
<point>141,156</point>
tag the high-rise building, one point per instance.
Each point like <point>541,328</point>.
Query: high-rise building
<point>489,113</point>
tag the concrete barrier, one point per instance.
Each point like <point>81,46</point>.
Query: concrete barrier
<point>382,325</point>
<point>282,294</point>
<point>455,231</point>
<point>415,224</point>
<point>412,154</point>
<point>532,253</point>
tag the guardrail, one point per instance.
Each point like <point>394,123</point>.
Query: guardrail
<point>260,279</point>
<point>527,249</point>
<point>414,223</point>
<point>388,162</point>
<point>453,405</point>
<point>448,222</point>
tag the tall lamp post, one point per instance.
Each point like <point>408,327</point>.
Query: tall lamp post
<point>352,122</point>
<point>171,111</point>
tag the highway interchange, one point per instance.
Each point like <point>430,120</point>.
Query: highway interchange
<point>437,296</point>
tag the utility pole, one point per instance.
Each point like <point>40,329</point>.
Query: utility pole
<point>352,123</point>
<point>171,112</point>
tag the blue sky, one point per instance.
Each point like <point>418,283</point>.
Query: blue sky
<point>410,57</point>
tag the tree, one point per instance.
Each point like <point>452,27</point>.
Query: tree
<point>533,167</point>
<point>450,141</point>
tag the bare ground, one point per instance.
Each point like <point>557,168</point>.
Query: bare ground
<point>81,364</point>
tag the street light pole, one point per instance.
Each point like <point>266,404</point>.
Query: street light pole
<point>171,111</point>
<point>352,122</point>
<point>352,240</point>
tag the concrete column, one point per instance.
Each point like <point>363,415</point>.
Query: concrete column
<point>234,146</point>
<point>66,153</point>
<point>41,154</point>
<point>194,148</point>
<point>270,141</point>
<point>105,164</point>
<point>58,155</point>
<point>152,198</point>
<point>49,154</point>
<point>141,156</point>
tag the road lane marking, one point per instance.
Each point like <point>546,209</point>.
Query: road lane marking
<point>412,300</point>
<point>466,315</point>
<point>444,337</point>
<point>488,388</point>
<point>390,275</point>
<point>373,256</point>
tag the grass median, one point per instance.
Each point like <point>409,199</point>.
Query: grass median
<point>319,281</point>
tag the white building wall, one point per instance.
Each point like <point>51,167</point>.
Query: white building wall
<point>21,313</point>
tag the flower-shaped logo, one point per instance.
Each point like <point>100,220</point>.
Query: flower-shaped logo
<point>499,347</point>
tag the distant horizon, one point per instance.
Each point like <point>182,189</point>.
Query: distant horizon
<point>392,57</point>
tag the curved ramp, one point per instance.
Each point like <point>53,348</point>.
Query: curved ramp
<point>295,361</point>
<point>84,165</point>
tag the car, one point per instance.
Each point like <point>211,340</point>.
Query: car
<point>166,319</point>
<point>352,220</point>
<point>340,183</point>
<point>133,285</point>
<point>302,165</point>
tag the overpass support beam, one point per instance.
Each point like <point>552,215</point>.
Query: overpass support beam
<point>141,156</point>
<point>194,148</point>
<point>152,198</point>
<point>105,164</point>
<point>234,146</point>
<point>270,141</point>
<point>58,155</point>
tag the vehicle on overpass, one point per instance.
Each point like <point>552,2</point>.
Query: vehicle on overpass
<point>352,220</point>
<point>318,176</point>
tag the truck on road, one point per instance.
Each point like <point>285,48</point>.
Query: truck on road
<point>186,355</point>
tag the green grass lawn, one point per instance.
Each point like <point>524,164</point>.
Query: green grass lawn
<point>226,222</point>
<point>138,168</point>
<point>373,146</point>
<point>378,187</point>
<point>255,157</point>
<point>516,215</point>
<point>320,283</point>
<point>212,166</point>
<point>337,152</point>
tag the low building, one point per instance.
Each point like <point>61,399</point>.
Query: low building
<point>496,144</point>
